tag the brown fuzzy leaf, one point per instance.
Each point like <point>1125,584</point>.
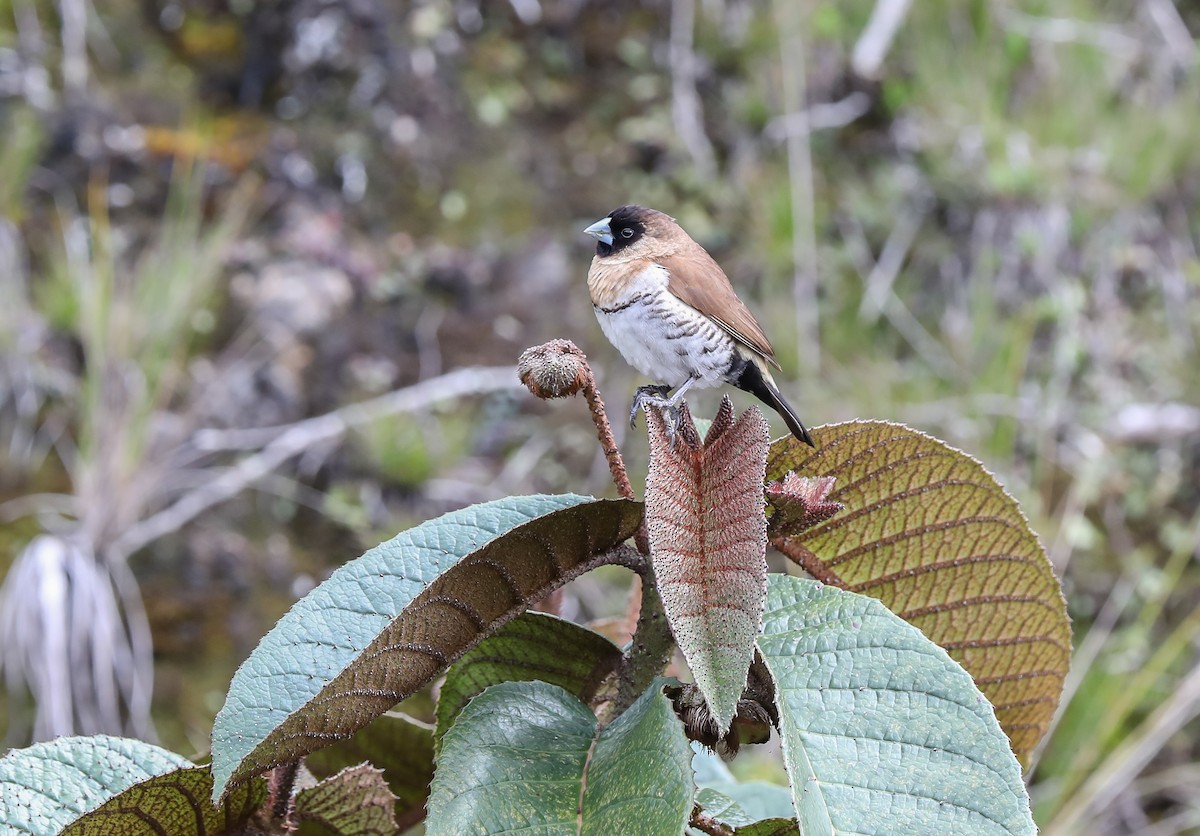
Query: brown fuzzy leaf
<point>704,512</point>
<point>800,502</point>
<point>930,533</point>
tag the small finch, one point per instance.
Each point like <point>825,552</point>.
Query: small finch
<point>672,313</point>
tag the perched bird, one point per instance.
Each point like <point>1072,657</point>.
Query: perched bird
<point>671,312</point>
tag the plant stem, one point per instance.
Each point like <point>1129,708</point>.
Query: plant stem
<point>648,653</point>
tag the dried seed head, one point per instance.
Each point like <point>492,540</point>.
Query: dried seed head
<point>557,369</point>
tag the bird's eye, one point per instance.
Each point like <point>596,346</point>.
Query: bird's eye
<point>626,233</point>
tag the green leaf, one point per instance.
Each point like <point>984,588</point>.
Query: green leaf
<point>102,785</point>
<point>531,646</point>
<point>929,532</point>
<point>526,756</point>
<point>710,770</point>
<point>399,745</point>
<point>386,624</point>
<point>770,827</point>
<point>354,802</point>
<point>751,807</point>
<point>879,725</point>
<point>738,804</point>
<point>708,539</point>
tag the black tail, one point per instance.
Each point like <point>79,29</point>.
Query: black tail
<point>750,378</point>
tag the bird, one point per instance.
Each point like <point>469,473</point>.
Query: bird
<point>669,309</point>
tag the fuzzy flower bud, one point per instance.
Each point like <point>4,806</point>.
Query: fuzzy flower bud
<point>557,369</point>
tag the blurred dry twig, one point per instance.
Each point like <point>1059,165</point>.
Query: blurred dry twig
<point>799,157</point>
<point>282,443</point>
<point>686,110</point>
<point>876,39</point>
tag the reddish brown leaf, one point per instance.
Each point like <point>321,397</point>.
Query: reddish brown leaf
<point>704,511</point>
<point>800,502</point>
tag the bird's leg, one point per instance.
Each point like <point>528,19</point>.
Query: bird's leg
<point>652,395</point>
<point>674,400</point>
<point>671,407</point>
<point>657,396</point>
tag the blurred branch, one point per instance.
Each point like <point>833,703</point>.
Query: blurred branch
<point>890,305</point>
<point>686,110</point>
<point>1174,31</point>
<point>529,11</point>
<point>1061,30</point>
<point>799,156</point>
<point>35,77</point>
<point>876,39</point>
<point>1176,228</point>
<point>882,278</point>
<point>284,442</point>
<point>819,117</point>
<point>38,503</point>
<point>73,14</point>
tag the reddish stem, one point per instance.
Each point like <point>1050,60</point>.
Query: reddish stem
<point>807,561</point>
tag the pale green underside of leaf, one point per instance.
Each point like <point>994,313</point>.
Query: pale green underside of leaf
<point>517,759</point>
<point>739,804</point>
<point>384,625</point>
<point>882,731</point>
<point>750,807</point>
<point>101,785</point>
<point>928,531</point>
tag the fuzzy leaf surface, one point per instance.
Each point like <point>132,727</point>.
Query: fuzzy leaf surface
<point>879,725</point>
<point>386,624</point>
<point>91,786</point>
<point>533,646</point>
<point>526,756</point>
<point>930,533</point>
<point>354,802</point>
<point>704,514</point>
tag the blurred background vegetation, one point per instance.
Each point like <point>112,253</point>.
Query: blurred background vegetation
<point>223,223</point>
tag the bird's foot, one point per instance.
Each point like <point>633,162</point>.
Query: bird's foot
<point>652,395</point>
<point>671,410</point>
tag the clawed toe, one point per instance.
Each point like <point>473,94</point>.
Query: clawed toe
<point>654,395</point>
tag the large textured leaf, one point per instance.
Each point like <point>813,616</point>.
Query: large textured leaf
<point>704,512</point>
<point>531,646</point>
<point>354,802</point>
<point>928,531</point>
<point>92,786</point>
<point>881,730</point>
<point>526,756</point>
<point>397,744</point>
<point>386,624</point>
